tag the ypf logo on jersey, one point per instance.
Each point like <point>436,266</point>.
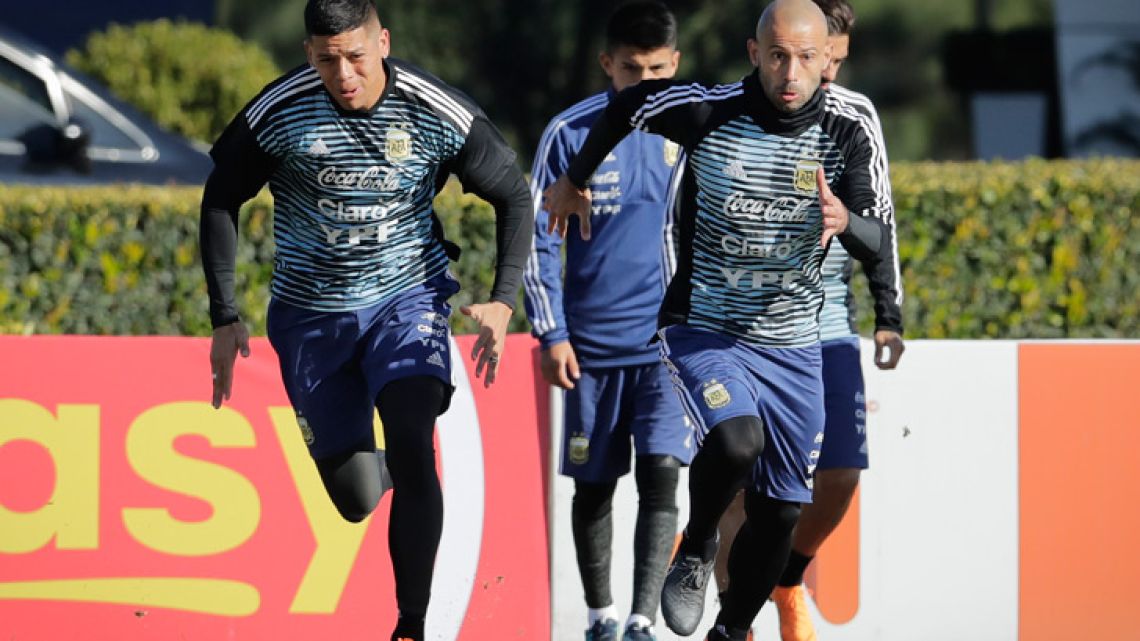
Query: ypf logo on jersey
<point>398,146</point>
<point>804,180</point>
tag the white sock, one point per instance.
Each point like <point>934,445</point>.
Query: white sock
<point>601,614</point>
<point>639,620</point>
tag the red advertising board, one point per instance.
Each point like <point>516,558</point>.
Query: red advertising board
<point>131,509</point>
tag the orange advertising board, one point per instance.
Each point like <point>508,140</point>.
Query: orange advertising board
<point>131,509</point>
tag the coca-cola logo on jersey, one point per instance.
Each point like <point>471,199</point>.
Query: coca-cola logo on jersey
<point>785,209</point>
<point>374,178</point>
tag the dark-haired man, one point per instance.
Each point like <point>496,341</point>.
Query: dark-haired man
<point>739,325</point>
<point>354,146</point>
<point>596,323</point>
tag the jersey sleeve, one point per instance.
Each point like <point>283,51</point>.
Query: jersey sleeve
<point>543,276</point>
<point>241,169</point>
<point>866,191</point>
<point>486,167</point>
<point>670,108</point>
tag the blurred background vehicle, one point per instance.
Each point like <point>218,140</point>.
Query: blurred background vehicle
<point>59,127</point>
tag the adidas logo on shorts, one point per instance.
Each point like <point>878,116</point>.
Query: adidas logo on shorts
<point>435,359</point>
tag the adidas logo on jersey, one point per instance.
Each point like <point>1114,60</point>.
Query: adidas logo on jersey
<point>735,169</point>
<point>318,148</point>
<point>435,359</point>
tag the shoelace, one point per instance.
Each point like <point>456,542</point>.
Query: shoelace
<point>695,573</point>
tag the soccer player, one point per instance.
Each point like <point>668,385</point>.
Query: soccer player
<point>843,453</point>
<point>739,324</point>
<point>596,328</point>
<point>354,146</point>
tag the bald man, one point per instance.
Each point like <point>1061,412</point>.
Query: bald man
<point>354,146</point>
<point>775,172</point>
<point>844,453</point>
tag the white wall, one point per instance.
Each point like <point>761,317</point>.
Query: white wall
<point>939,535</point>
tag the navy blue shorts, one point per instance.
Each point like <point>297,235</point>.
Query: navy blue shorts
<point>721,377</point>
<point>334,364</point>
<point>845,429</point>
<point>610,407</point>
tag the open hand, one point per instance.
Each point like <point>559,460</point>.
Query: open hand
<point>563,200</point>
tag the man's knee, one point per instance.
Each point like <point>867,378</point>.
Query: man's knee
<point>837,482</point>
<point>592,501</point>
<point>736,442</point>
<point>352,482</point>
<point>779,516</point>
<point>656,476</point>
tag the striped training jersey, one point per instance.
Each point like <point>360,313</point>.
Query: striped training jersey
<point>353,220</point>
<point>749,262</point>
<point>837,317</point>
<point>606,303</point>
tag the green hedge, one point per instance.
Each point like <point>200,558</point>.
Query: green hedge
<point>188,77</point>
<point>125,260</point>
<point>1019,250</point>
<point>1008,250</point>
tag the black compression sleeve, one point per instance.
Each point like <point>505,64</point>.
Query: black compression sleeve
<point>514,229</point>
<point>486,167</point>
<point>241,169</point>
<point>217,237</point>
<point>863,237</point>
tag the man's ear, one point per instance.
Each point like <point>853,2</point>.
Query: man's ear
<point>607,63</point>
<point>385,43</point>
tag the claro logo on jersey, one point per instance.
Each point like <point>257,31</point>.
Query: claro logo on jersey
<point>342,213</point>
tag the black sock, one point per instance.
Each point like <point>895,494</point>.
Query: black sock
<point>408,407</point>
<point>705,549</point>
<point>731,633</point>
<point>758,556</point>
<point>718,471</point>
<point>409,629</point>
<point>794,571</point>
<point>591,521</point>
<point>656,526</point>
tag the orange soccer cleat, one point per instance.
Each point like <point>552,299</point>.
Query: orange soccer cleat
<point>795,618</point>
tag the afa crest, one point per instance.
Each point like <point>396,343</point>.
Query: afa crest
<point>716,395</point>
<point>306,431</point>
<point>672,152</point>
<point>398,145</point>
<point>579,449</point>
<point>805,176</point>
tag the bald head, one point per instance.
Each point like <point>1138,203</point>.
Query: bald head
<point>786,16</point>
<point>790,51</point>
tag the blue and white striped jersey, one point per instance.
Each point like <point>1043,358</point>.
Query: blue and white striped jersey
<point>750,259</point>
<point>837,318</point>
<point>606,304</point>
<point>353,220</point>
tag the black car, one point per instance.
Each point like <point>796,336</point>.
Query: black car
<point>59,127</point>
